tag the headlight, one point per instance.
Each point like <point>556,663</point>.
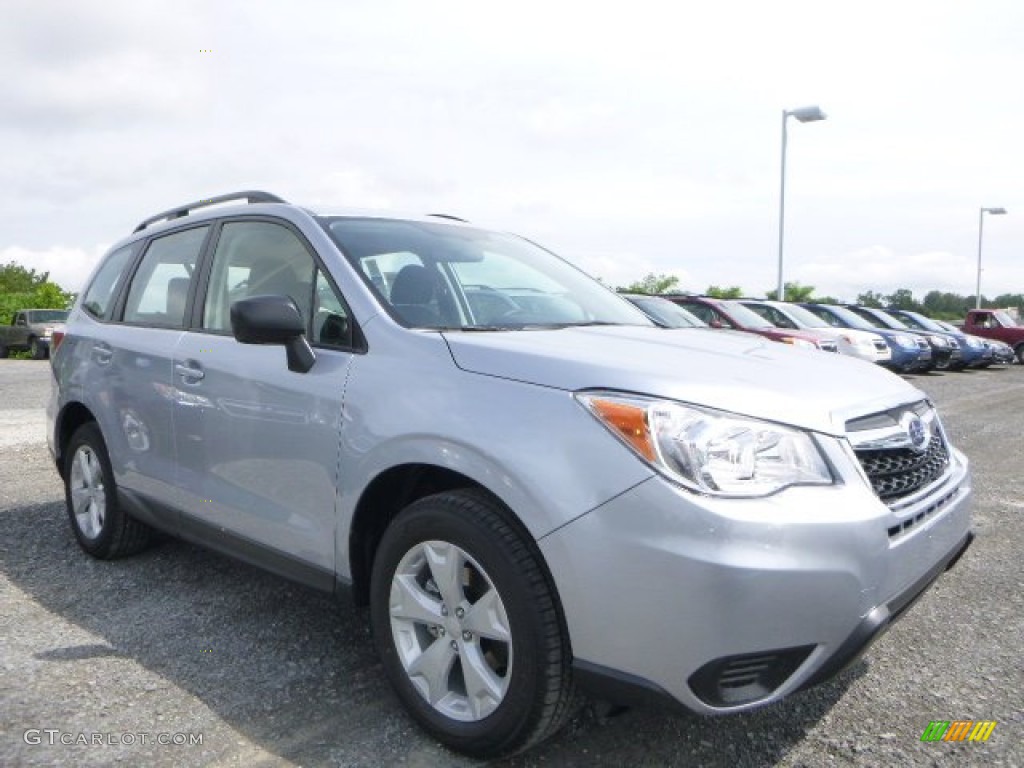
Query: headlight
<point>938,341</point>
<point>975,342</point>
<point>709,451</point>
<point>799,342</point>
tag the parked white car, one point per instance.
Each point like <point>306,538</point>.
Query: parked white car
<point>856,343</point>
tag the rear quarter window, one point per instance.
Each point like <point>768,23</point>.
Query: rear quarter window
<point>102,291</point>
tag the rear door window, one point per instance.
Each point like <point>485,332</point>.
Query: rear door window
<point>160,287</point>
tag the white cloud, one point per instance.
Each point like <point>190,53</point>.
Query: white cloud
<point>884,270</point>
<point>628,139</point>
<point>68,267</point>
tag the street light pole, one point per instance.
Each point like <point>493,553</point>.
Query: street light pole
<point>981,229</point>
<point>804,115</point>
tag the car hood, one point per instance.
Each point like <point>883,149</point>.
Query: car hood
<point>818,334</point>
<point>857,333</point>
<point>784,333</point>
<point>741,373</point>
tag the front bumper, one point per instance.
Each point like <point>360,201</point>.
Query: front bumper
<point>725,604</point>
<point>902,358</point>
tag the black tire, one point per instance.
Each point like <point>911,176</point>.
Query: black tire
<point>37,350</point>
<point>1020,353</point>
<point>539,693</point>
<point>3,351</point>
<point>114,533</point>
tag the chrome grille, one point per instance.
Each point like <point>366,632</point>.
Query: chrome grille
<point>898,472</point>
<point>901,450</point>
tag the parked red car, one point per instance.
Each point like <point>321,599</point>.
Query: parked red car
<point>726,313</point>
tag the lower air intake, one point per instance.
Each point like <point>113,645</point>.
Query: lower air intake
<point>734,680</point>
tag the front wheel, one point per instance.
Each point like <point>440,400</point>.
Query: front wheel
<point>468,627</point>
<point>1020,353</point>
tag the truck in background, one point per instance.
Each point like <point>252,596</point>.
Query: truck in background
<point>996,324</point>
<point>31,329</point>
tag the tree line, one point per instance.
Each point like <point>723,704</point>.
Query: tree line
<point>940,304</point>
<point>22,288</point>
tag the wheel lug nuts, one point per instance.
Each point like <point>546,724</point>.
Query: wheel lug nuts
<point>455,646</point>
<point>467,635</point>
<point>444,610</point>
<point>440,631</point>
<point>459,613</point>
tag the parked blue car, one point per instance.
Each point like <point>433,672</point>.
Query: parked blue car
<point>973,353</point>
<point>910,352</point>
<point>945,349</point>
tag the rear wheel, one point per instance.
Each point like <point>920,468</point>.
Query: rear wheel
<point>102,528</point>
<point>3,351</point>
<point>467,625</point>
<point>1020,353</point>
<point>36,348</point>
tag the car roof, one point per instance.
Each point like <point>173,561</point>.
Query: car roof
<point>258,201</point>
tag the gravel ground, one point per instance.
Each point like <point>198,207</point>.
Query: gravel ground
<point>183,643</point>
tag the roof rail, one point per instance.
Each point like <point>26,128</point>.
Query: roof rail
<point>448,216</point>
<point>249,195</point>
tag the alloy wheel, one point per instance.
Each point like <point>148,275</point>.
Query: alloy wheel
<point>451,631</point>
<point>88,495</point>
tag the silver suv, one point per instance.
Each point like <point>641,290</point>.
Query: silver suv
<point>532,487</point>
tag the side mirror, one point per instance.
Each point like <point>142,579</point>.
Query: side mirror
<point>273,320</point>
<point>715,323</point>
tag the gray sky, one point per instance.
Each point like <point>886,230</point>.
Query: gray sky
<point>628,137</point>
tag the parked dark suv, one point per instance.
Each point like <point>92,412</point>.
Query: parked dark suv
<point>663,312</point>
<point>945,348</point>
<point>910,351</point>
<point>973,352</point>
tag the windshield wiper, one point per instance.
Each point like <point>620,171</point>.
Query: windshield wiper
<point>525,326</point>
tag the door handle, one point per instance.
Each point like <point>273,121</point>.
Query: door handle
<point>102,353</point>
<point>190,371</point>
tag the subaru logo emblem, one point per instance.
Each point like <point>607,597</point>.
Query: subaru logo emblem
<point>917,432</point>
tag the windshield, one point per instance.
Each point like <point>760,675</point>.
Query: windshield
<point>803,317</point>
<point>924,323</point>
<point>748,318</point>
<point>842,317</point>
<point>882,319</point>
<point>48,316</point>
<point>1004,319</point>
<point>445,276</point>
<point>667,313</point>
